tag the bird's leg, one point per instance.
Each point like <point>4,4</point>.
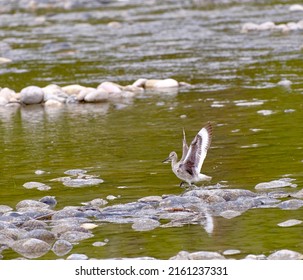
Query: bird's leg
<point>182,184</point>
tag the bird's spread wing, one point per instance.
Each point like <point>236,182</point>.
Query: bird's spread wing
<point>198,150</point>
<point>184,147</point>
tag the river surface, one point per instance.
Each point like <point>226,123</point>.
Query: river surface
<point>234,76</point>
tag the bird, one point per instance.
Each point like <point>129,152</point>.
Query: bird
<point>189,167</point>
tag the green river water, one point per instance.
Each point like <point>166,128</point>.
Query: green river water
<point>257,124</point>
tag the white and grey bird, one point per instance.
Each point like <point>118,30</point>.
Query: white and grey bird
<point>189,167</point>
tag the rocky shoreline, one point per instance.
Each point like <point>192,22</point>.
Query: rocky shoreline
<point>56,96</point>
<point>35,227</point>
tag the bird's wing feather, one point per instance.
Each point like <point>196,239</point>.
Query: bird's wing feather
<point>184,147</point>
<point>198,150</point>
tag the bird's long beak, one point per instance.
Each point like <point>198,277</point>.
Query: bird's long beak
<point>167,160</point>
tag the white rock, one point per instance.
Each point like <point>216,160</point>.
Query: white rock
<point>4,60</point>
<point>285,255</point>
<point>110,87</point>
<point>229,214</point>
<point>134,89</point>
<point>54,92</point>
<point>52,103</point>
<point>292,26</point>
<point>300,24</point>
<point>85,91</point>
<point>285,83</point>
<point>97,95</point>
<point>265,112</point>
<point>89,226</point>
<point>31,95</point>
<point>73,89</point>
<point>31,248</point>
<point>205,255</point>
<point>249,26</point>
<point>77,257</point>
<point>282,27</point>
<point>145,224</point>
<point>230,252</point>
<point>269,25</point>
<point>281,183</point>
<point>6,95</point>
<point>290,223</point>
<point>166,83</point>
<point>295,8</point>
<point>140,83</point>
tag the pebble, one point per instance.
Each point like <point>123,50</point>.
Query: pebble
<point>5,208</point>
<point>285,83</point>
<point>75,236</point>
<point>78,183</point>
<point>201,255</point>
<point>296,7</point>
<point>97,202</point>
<point>49,200</point>
<point>298,194</point>
<point>229,214</point>
<point>33,224</point>
<point>73,89</point>
<point>42,234</point>
<point>166,83</point>
<point>77,257</point>
<point>62,247</point>
<point>97,95</point>
<point>285,255</point>
<point>40,172</point>
<point>36,185</point>
<point>281,183</point>
<point>4,60</point>
<point>145,224</point>
<point>291,204</point>
<point>255,257</point>
<point>89,226</point>
<point>271,26</point>
<point>99,243</point>
<point>75,172</point>
<point>290,223</point>
<point>110,87</point>
<point>31,248</point>
<point>231,252</point>
<point>30,204</point>
<point>31,95</point>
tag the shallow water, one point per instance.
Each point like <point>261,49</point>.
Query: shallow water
<point>257,124</point>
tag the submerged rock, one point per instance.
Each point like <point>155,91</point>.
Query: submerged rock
<point>31,248</point>
<point>62,247</point>
<point>145,224</point>
<point>78,183</point>
<point>75,236</point>
<point>281,183</point>
<point>291,204</point>
<point>49,200</point>
<point>36,185</point>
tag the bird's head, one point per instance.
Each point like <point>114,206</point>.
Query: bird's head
<point>172,157</point>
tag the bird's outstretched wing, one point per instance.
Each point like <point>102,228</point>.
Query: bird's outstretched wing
<point>184,147</point>
<point>198,149</point>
